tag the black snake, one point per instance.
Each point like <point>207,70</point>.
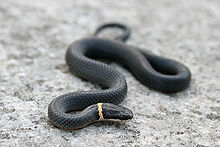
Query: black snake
<point>156,72</point>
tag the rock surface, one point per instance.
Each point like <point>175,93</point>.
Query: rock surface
<point>34,36</point>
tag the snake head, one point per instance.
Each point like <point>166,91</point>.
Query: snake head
<point>111,111</point>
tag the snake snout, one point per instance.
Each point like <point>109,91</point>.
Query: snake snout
<point>111,111</point>
<point>125,115</point>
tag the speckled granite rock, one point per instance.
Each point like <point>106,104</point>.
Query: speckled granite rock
<point>34,36</point>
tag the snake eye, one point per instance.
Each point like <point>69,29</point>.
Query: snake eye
<point>111,111</point>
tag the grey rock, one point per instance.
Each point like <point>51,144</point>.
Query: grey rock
<point>34,36</point>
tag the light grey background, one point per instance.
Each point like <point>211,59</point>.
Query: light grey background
<point>34,36</point>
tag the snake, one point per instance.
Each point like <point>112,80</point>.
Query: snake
<point>75,110</point>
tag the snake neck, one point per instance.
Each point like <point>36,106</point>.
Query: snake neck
<point>100,111</point>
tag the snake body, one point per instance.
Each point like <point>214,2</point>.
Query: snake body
<point>156,72</point>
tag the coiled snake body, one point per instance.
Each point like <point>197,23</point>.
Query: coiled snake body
<point>156,72</point>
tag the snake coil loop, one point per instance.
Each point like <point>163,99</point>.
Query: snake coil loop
<point>123,37</point>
